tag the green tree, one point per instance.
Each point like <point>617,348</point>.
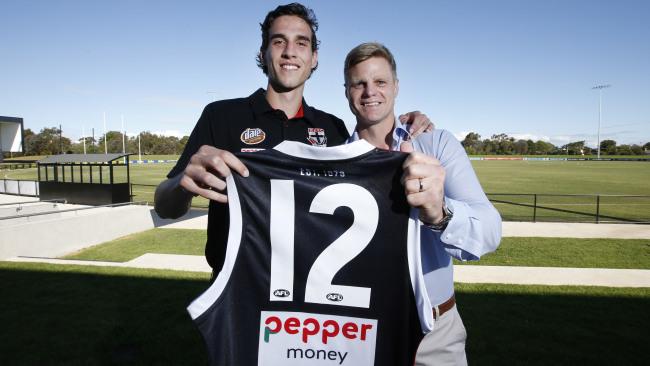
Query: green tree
<point>182,143</point>
<point>623,150</point>
<point>608,147</point>
<point>575,148</point>
<point>472,143</point>
<point>503,143</point>
<point>47,142</point>
<point>531,146</point>
<point>520,147</point>
<point>636,149</point>
<point>544,148</point>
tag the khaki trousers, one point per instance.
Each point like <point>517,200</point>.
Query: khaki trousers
<point>445,344</point>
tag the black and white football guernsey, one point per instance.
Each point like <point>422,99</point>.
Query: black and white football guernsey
<point>322,263</point>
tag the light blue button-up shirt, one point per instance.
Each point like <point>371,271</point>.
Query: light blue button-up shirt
<point>475,228</point>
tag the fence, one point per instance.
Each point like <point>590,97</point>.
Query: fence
<point>19,187</point>
<point>512,206</point>
<point>15,165</point>
<point>528,207</point>
<point>572,207</point>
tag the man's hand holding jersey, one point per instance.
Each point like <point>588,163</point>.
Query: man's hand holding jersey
<point>424,181</point>
<point>207,170</point>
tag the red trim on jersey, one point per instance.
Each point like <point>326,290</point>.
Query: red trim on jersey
<point>299,114</point>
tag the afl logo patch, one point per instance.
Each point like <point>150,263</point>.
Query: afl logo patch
<point>281,293</point>
<point>334,297</point>
<point>252,136</point>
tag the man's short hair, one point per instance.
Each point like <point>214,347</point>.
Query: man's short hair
<point>366,51</point>
<point>295,9</point>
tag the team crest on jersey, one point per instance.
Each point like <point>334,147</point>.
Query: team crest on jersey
<point>252,136</point>
<point>316,136</point>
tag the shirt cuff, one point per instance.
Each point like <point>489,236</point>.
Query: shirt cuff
<point>456,236</point>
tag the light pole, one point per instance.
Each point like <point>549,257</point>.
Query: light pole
<point>600,108</point>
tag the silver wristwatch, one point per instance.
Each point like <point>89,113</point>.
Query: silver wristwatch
<point>442,225</point>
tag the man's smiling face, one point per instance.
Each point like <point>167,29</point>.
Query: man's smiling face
<point>371,89</point>
<point>289,56</point>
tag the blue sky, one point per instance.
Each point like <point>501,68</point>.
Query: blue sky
<point>519,67</point>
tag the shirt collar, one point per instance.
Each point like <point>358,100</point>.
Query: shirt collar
<point>261,106</point>
<point>400,134</point>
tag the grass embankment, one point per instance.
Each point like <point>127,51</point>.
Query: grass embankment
<point>161,241</point>
<point>535,252</point>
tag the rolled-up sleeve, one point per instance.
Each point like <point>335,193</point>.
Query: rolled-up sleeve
<point>475,228</point>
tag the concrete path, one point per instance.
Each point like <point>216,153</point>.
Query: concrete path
<point>8,198</point>
<point>554,276</point>
<point>573,230</point>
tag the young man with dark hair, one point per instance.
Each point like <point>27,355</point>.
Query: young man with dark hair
<point>458,219</point>
<point>294,9</point>
<point>288,56</point>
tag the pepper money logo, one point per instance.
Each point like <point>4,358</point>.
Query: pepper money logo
<point>294,338</point>
<point>252,136</point>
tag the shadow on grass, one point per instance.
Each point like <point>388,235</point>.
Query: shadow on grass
<point>103,316</point>
<point>73,318</point>
<point>547,325</point>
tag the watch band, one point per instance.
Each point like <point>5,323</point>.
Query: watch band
<point>442,225</point>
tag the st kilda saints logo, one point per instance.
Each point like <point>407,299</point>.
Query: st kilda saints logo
<point>316,136</point>
<point>252,136</point>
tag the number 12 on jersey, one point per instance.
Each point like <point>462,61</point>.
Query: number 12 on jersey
<point>319,288</point>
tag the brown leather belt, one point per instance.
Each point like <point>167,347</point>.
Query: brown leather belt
<point>444,307</point>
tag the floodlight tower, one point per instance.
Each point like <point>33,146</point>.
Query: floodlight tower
<point>600,109</point>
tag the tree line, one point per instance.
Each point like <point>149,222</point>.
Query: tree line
<point>50,142</point>
<point>502,144</point>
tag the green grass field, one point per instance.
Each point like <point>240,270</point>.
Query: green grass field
<point>569,252</point>
<point>547,178</point>
<point>76,315</point>
<point>161,241</point>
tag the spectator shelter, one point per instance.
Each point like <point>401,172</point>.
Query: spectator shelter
<point>89,179</point>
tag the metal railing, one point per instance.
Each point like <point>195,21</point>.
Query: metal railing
<point>590,208</point>
<point>75,209</point>
<point>19,187</point>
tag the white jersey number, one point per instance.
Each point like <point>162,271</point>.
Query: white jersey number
<point>319,287</point>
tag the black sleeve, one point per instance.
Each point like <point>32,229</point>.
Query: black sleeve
<point>203,134</point>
